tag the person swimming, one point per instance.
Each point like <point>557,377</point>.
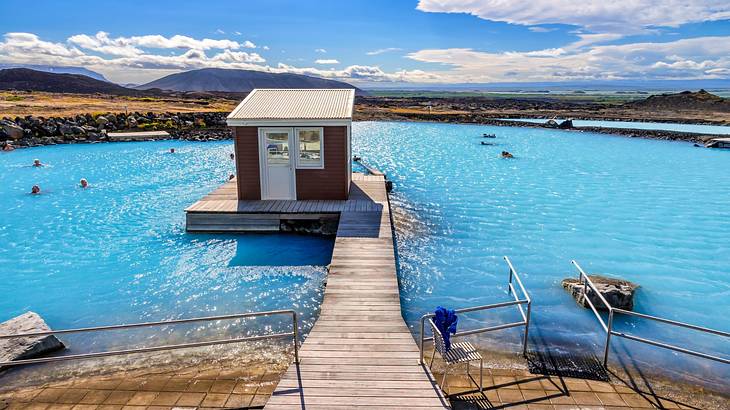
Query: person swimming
<point>37,163</point>
<point>172,150</point>
<point>233,156</point>
<point>84,183</point>
<point>35,190</point>
<point>506,154</point>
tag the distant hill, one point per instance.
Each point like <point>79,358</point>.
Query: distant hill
<point>27,79</point>
<point>239,81</point>
<point>57,70</point>
<point>686,100</point>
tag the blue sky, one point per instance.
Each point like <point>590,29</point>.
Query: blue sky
<point>372,42</point>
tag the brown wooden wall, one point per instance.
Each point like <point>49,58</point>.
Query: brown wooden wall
<point>246,147</point>
<point>330,182</point>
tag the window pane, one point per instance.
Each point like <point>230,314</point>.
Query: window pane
<point>277,147</point>
<point>310,148</point>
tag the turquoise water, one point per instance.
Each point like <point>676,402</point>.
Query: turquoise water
<point>117,252</point>
<point>638,125</point>
<point>653,212</point>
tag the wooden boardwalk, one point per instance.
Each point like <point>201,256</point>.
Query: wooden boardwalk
<point>221,211</point>
<point>360,352</point>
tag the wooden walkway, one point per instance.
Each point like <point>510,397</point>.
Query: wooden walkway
<point>360,353</point>
<point>221,211</point>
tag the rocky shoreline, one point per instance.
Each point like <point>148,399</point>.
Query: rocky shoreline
<point>487,120</point>
<point>34,131</point>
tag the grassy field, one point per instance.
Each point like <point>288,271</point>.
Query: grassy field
<point>20,104</point>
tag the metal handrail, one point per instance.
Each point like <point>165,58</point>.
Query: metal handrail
<point>608,328</point>
<point>294,334</point>
<point>516,302</point>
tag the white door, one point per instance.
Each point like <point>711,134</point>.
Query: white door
<point>276,159</point>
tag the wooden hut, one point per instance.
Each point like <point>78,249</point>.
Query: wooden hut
<point>293,144</point>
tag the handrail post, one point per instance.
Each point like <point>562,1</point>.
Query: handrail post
<point>295,324</point>
<point>608,337</point>
<point>527,327</point>
<point>420,349</point>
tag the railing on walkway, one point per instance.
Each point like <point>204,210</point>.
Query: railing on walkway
<point>608,327</point>
<point>294,334</point>
<point>525,313</point>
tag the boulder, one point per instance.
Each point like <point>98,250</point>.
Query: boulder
<point>565,125</point>
<point>26,347</point>
<point>551,124</point>
<point>101,120</point>
<point>617,292</point>
<point>13,131</point>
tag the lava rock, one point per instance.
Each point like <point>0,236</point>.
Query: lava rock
<point>13,131</point>
<point>617,292</point>
<point>26,347</point>
<point>565,125</point>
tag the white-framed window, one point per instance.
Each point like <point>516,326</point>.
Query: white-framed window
<point>310,147</point>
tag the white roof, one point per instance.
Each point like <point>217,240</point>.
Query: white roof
<point>723,139</point>
<point>294,104</point>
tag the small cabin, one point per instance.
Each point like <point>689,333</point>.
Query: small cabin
<point>718,143</point>
<point>293,144</point>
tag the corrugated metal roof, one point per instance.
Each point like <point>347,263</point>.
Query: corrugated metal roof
<point>299,104</point>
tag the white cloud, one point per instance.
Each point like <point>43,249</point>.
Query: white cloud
<point>585,60</point>
<point>320,50</point>
<point>539,29</point>
<point>101,42</point>
<point>219,31</point>
<point>624,16</point>
<point>591,57</point>
<point>238,33</point>
<point>382,51</point>
<point>265,48</point>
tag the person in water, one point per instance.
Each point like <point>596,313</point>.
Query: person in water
<point>35,190</point>
<point>37,163</point>
<point>84,183</point>
<point>233,156</point>
<point>8,147</point>
<point>172,150</point>
<point>506,154</point>
<point>230,177</point>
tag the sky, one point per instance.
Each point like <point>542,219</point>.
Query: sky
<point>374,42</point>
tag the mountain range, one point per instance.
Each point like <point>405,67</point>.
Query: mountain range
<point>27,79</point>
<point>57,70</point>
<point>206,80</point>
<point>239,81</point>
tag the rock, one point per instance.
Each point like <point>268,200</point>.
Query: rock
<point>26,347</point>
<point>551,124</point>
<point>101,120</point>
<point>131,122</point>
<point>13,131</point>
<point>567,124</point>
<point>617,292</point>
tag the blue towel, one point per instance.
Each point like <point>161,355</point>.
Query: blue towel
<point>445,321</point>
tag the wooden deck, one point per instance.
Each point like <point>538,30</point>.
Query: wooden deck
<point>360,352</point>
<point>221,211</point>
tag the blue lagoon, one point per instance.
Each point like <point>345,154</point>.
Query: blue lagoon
<point>653,212</point>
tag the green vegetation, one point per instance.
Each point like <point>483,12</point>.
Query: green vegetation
<point>14,98</point>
